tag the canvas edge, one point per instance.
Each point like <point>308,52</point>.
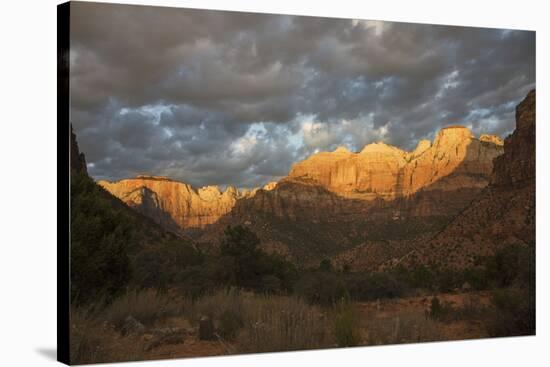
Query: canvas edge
<point>63,210</point>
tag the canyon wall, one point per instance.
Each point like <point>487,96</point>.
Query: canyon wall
<point>456,159</point>
<point>504,212</point>
<point>175,204</point>
<point>381,182</point>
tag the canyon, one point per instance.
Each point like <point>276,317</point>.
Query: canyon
<point>445,202</point>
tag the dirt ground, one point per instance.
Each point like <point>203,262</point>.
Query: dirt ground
<point>388,311</point>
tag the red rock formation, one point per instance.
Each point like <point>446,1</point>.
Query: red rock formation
<point>503,214</point>
<point>455,160</point>
<point>160,198</point>
<point>518,163</point>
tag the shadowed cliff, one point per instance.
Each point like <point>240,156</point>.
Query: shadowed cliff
<point>306,221</point>
<point>501,215</point>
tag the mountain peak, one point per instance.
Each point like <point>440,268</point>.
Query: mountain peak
<point>452,135</point>
<point>491,139</point>
<point>269,186</point>
<point>517,165</point>
<point>342,150</point>
<point>153,177</point>
<point>381,147</point>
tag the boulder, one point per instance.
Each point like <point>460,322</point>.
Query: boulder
<point>132,326</point>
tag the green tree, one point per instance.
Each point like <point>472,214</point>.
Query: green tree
<point>325,265</point>
<point>239,241</point>
<point>251,267</point>
<point>101,235</point>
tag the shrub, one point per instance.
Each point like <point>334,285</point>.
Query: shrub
<point>230,323</point>
<point>372,286</point>
<point>101,235</point>
<point>239,241</point>
<point>444,311</point>
<point>477,278</point>
<point>514,313</point>
<point>252,268</point>
<point>346,325</point>
<point>325,265</point>
<point>436,309</point>
<point>164,263</point>
<point>510,264</point>
<point>321,287</point>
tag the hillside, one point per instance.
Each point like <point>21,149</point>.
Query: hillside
<point>449,201</point>
<point>381,196</point>
<point>362,209</point>
<point>109,241</point>
<point>503,214</point>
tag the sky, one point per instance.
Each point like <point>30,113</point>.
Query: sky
<point>227,98</point>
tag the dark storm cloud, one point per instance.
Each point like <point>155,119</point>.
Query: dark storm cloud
<point>226,98</point>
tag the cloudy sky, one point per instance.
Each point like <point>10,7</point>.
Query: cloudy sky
<point>228,98</point>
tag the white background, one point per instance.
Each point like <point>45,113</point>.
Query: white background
<point>28,183</point>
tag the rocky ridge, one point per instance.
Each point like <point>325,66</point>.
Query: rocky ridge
<point>174,204</point>
<point>76,158</point>
<point>456,159</point>
<point>380,176</point>
<point>502,215</point>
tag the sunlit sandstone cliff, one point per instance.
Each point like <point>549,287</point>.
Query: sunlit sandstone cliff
<point>504,212</point>
<point>171,202</point>
<point>456,159</point>
<point>382,182</point>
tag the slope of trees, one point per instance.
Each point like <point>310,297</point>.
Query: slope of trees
<point>101,236</point>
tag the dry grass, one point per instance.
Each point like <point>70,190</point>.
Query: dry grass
<point>244,323</point>
<point>275,323</point>
<point>252,323</point>
<point>215,304</point>
<point>146,306</point>
<point>260,323</point>
<point>86,342</point>
<point>406,327</point>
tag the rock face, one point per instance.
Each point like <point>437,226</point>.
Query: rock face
<point>77,159</point>
<point>174,204</point>
<point>456,159</point>
<point>445,202</point>
<point>382,182</point>
<point>379,201</point>
<point>503,214</point>
<point>491,139</point>
<point>518,163</point>
<point>379,183</point>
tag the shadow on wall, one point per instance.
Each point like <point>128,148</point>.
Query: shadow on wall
<point>146,202</point>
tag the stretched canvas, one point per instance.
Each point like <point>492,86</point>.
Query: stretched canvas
<point>247,183</point>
